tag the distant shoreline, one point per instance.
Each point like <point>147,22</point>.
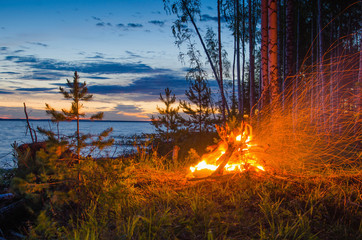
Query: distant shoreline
<point>82,120</point>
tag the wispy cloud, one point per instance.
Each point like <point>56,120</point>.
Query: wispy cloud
<point>5,92</point>
<point>103,24</point>
<point>97,56</point>
<point>35,89</point>
<point>99,67</point>
<point>38,44</point>
<point>207,17</point>
<point>133,55</point>
<point>128,108</point>
<point>96,18</point>
<point>10,73</point>
<point>134,25</point>
<point>151,85</point>
<point>157,22</point>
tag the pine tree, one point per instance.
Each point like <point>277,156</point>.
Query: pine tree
<point>167,122</point>
<point>199,109</point>
<point>55,174</point>
<point>78,92</point>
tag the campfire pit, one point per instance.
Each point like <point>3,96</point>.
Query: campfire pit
<point>234,153</point>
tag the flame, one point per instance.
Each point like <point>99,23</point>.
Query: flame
<point>238,138</point>
<point>240,160</point>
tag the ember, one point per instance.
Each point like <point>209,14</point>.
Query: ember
<point>234,153</point>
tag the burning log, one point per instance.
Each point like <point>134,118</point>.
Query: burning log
<point>234,153</point>
<point>224,160</point>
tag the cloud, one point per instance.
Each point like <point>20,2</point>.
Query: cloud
<point>151,85</point>
<point>5,92</point>
<point>102,24</point>
<point>35,89</point>
<point>35,77</point>
<point>97,77</point>
<point>128,108</point>
<point>133,55</point>
<point>18,112</point>
<point>97,56</point>
<point>44,76</point>
<point>157,22</point>
<point>134,25</point>
<point>99,67</point>
<point>120,25</point>
<point>207,18</point>
<point>10,73</point>
<point>96,18</point>
<point>38,44</point>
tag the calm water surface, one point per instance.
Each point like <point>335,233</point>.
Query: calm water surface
<point>15,130</point>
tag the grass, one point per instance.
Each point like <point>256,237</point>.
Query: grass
<point>139,201</point>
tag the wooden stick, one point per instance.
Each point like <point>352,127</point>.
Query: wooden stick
<point>225,159</point>
<point>27,120</point>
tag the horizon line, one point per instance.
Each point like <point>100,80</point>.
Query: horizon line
<point>84,120</point>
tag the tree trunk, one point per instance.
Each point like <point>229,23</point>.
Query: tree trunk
<point>223,99</point>
<point>273,54</point>
<point>311,85</point>
<point>252,62</point>
<point>243,69</point>
<point>264,52</point>
<point>290,42</point>
<point>320,65</point>
<point>358,89</point>
<point>233,106</point>
<point>296,79</point>
<point>220,59</point>
<point>240,100</point>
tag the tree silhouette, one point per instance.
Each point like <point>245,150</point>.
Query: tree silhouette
<point>78,92</point>
<point>167,122</point>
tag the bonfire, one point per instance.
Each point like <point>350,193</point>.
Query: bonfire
<point>234,153</point>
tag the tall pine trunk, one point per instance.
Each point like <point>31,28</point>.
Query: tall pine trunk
<point>296,79</point>
<point>220,59</point>
<point>243,68</point>
<point>358,89</point>
<point>216,75</point>
<point>273,54</point>
<point>252,61</point>
<point>320,65</point>
<point>240,100</point>
<point>289,43</point>
<point>264,53</point>
<point>312,85</point>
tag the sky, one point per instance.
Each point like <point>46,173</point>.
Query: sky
<point>124,50</point>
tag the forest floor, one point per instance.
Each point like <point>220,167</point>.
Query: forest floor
<point>150,203</point>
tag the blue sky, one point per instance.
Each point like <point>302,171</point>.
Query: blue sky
<point>124,50</point>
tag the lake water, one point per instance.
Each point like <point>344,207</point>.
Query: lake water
<point>15,130</point>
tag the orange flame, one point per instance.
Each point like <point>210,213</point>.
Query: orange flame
<point>240,160</point>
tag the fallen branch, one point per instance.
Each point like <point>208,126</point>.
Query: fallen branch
<point>29,127</point>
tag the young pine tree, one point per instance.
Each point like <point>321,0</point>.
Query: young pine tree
<point>78,93</point>
<point>167,122</point>
<point>199,109</point>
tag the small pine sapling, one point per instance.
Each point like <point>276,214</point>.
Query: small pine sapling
<point>78,93</point>
<point>199,109</point>
<point>167,122</point>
